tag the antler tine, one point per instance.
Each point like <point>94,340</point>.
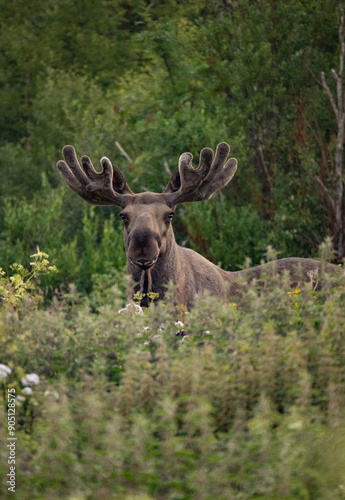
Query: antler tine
<point>221,172</point>
<point>196,184</point>
<point>108,187</point>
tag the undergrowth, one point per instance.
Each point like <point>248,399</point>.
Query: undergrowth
<point>241,401</point>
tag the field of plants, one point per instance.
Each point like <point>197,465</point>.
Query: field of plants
<point>239,401</point>
<point>230,401</point>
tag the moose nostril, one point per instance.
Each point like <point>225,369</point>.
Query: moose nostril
<point>143,263</point>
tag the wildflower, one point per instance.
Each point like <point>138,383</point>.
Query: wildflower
<point>20,398</point>
<point>30,379</point>
<point>51,393</point>
<point>27,391</point>
<point>294,291</point>
<point>179,324</point>
<point>4,371</point>
<point>131,307</point>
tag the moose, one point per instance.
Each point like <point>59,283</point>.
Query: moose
<point>153,257</point>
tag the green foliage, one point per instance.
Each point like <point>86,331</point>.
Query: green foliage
<point>225,235</point>
<point>171,78</point>
<point>103,252</point>
<point>85,248</point>
<point>15,288</point>
<point>248,403</point>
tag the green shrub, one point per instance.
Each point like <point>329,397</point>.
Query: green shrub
<point>248,403</point>
<point>86,245</point>
<point>225,234</point>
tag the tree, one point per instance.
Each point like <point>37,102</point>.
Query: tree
<point>336,200</point>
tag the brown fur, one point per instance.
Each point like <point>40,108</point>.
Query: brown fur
<point>153,257</point>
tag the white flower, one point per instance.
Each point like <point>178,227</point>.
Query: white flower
<point>54,394</point>
<point>20,398</point>
<point>31,379</point>
<point>179,324</point>
<point>27,391</point>
<point>130,307</point>
<point>4,371</point>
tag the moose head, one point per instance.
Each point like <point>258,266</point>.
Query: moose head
<point>152,253</point>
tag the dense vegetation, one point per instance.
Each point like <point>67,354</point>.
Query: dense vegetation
<point>245,400</point>
<point>161,78</point>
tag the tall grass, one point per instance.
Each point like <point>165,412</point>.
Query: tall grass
<point>244,401</point>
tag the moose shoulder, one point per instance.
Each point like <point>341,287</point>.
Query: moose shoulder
<point>153,257</point>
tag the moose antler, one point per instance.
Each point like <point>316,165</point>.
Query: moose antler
<point>196,184</point>
<point>108,187</point>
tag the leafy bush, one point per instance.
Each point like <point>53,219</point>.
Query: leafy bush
<point>229,235</point>
<point>247,401</point>
<point>86,246</point>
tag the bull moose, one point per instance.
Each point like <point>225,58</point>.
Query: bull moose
<point>153,257</point>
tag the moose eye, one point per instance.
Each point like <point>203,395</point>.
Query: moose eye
<point>169,217</point>
<point>124,217</point>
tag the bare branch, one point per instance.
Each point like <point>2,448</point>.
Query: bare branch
<point>315,131</point>
<point>335,75</point>
<point>123,152</point>
<point>265,167</point>
<point>326,193</point>
<point>341,39</point>
<point>263,160</point>
<point>329,93</point>
<point>167,168</point>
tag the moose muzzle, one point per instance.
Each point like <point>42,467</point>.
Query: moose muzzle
<point>143,247</point>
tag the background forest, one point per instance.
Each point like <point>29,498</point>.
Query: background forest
<point>161,78</point>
